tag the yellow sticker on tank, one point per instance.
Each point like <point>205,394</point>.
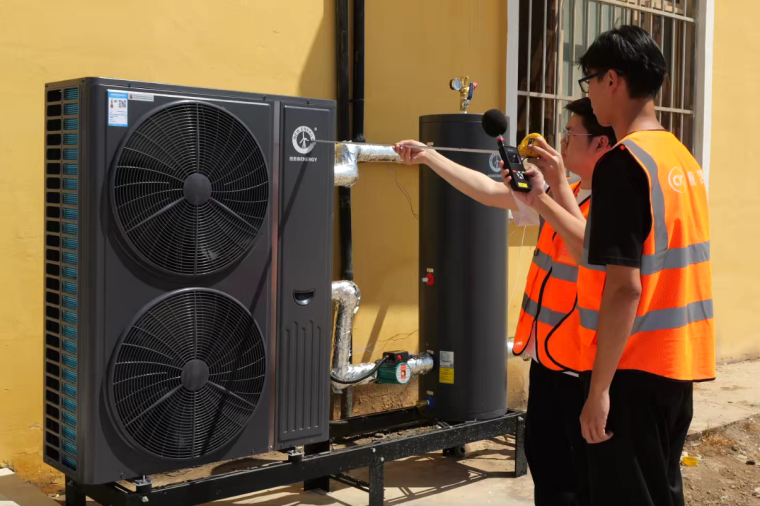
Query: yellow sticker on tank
<point>446,375</point>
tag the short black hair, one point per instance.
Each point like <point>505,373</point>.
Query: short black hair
<point>632,52</point>
<point>582,107</point>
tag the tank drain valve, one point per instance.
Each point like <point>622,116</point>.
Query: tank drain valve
<point>429,279</point>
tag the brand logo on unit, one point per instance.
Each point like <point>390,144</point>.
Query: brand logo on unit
<point>493,162</point>
<point>303,140</point>
<point>677,180</point>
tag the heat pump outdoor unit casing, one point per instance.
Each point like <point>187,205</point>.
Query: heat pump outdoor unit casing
<point>188,263</point>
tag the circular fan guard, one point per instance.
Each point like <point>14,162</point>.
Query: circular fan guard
<point>190,189</point>
<point>188,375</point>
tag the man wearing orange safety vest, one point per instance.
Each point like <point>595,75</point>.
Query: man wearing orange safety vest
<point>644,283</point>
<point>548,327</point>
<point>554,444</point>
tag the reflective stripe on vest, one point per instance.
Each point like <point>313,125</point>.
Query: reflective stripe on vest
<point>565,272</point>
<point>550,297</point>
<point>672,334</point>
<point>546,315</point>
<point>658,319</point>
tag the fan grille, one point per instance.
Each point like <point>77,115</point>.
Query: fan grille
<point>189,374</point>
<point>191,189</point>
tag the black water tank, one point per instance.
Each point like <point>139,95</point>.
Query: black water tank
<point>463,303</point>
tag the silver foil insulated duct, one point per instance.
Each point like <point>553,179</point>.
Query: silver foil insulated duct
<point>347,295</point>
<point>420,364</point>
<point>349,156</point>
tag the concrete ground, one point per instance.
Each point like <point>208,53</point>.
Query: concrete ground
<point>486,475</point>
<point>16,492</point>
<point>733,396</point>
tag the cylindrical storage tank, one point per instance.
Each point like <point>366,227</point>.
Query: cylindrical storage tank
<point>463,280</point>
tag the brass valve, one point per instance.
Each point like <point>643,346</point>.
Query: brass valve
<point>466,90</point>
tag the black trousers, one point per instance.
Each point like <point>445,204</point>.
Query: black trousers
<point>554,446</point>
<point>649,418</point>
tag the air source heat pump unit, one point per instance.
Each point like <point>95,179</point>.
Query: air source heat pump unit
<point>188,253</point>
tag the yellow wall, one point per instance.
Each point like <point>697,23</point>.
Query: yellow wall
<point>413,49</point>
<point>735,179</point>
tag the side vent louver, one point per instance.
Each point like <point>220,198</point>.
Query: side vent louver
<point>70,434</point>
<point>70,376</point>
<point>69,405</point>
<point>62,240</point>
<point>69,361</point>
<point>70,347</point>
<point>69,390</point>
<point>69,462</point>
<point>69,419</point>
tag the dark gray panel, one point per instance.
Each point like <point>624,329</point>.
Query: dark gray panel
<point>303,356</point>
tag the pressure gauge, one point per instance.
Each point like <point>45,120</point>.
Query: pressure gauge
<point>455,84</point>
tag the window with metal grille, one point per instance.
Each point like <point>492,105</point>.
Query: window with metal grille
<point>547,37</point>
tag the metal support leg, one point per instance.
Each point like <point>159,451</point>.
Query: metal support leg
<point>74,494</point>
<point>376,484</point>
<point>521,461</point>
<point>323,482</point>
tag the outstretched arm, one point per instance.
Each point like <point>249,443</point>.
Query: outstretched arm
<point>474,184</point>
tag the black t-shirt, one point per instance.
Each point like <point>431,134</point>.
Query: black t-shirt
<point>621,218</point>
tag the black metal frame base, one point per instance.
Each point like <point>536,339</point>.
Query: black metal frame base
<point>318,465</point>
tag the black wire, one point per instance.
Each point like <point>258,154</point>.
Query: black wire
<point>403,190</point>
<point>370,373</point>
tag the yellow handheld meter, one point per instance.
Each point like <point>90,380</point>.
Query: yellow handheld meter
<point>525,146</point>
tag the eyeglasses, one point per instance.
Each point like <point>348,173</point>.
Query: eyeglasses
<point>583,82</point>
<point>567,134</point>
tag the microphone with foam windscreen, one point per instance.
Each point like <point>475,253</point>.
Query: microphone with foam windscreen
<point>495,125</point>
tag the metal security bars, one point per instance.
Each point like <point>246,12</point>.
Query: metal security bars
<point>554,34</point>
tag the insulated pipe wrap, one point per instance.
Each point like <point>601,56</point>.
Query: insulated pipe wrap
<point>349,156</point>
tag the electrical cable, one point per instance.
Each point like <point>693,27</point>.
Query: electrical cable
<point>355,381</point>
<point>403,191</point>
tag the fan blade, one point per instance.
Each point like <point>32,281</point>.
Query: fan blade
<point>160,401</point>
<point>232,213</point>
<point>155,215</point>
<point>230,393</point>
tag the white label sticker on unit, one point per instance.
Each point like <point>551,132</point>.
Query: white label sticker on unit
<point>118,109</point>
<point>142,97</point>
<point>446,368</point>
